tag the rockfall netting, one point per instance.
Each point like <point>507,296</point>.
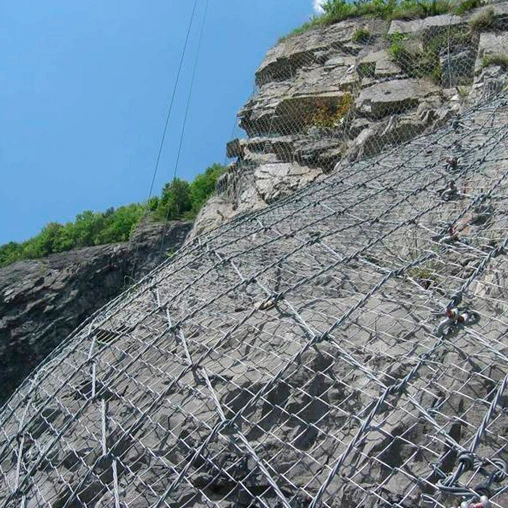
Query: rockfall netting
<point>358,87</point>
<point>345,346</point>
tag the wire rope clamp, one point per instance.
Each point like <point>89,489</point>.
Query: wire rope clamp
<point>456,319</point>
<point>452,163</point>
<point>467,459</point>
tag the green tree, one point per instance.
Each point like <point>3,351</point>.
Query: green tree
<point>42,244</point>
<point>10,252</point>
<point>203,186</point>
<point>153,203</point>
<point>175,200</point>
<point>119,224</point>
<point>86,228</point>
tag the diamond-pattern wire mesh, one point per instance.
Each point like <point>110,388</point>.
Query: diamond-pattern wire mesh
<point>300,355</point>
<point>360,86</point>
<point>292,357</point>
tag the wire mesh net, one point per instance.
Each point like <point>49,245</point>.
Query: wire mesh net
<point>360,86</point>
<point>345,346</point>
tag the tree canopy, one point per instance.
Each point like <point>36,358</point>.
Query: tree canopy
<point>179,200</point>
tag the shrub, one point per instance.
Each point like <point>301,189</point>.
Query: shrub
<point>10,252</point>
<point>362,35</point>
<point>468,5</point>
<point>175,200</point>
<point>313,22</point>
<point>411,9</point>
<point>328,116</point>
<point>415,63</point>
<point>203,186</point>
<point>483,20</point>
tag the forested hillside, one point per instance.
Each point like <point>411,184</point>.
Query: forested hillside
<point>179,199</point>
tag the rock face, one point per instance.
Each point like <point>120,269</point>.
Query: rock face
<point>329,94</point>
<point>43,301</point>
<point>345,346</point>
<point>337,340</point>
<point>385,99</point>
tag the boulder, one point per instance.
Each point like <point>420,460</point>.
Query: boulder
<point>396,130</point>
<point>274,181</point>
<point>491,43</point>
<point>234,149</point>
<point>377,64</point>
<point>430,25</point>
<point>323,153</point>
<point>393,97</point>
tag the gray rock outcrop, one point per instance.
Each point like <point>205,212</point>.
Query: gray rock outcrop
<point>293,357</point>
<point>42,301</point>
<point>324,96</point>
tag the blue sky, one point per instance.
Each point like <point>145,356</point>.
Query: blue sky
<point>85,87</point>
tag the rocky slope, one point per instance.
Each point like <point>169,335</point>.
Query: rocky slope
<point>322,98</point>
<point>304,355</point>
<point>42,301</point>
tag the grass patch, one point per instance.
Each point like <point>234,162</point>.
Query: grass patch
<point>468,5</point>
<point>421,58</point>
<point>415,10</point>
<point>463,91</point>
<point>483,20</point>
<point>415,62</point>
<point>339,10</point>
<point>306,27</point>
<point>499,59</point>
<point>361,36</point>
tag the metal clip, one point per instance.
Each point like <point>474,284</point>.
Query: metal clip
<point>452,163</point>
<point>452,236</point>
<point>455,320</point>
<point>451,192</point>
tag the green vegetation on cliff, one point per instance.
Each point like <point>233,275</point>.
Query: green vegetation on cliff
<point>179,200</point>
<point>339,10</point>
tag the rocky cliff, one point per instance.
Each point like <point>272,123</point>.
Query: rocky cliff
<point>42,301</point>
<point>350,91</point>
<point>343,343</point>
<point>343,347</point>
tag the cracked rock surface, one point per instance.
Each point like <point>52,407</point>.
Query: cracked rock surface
<point>42,301</point>
<point>305,79</point>
<point>290,357</point>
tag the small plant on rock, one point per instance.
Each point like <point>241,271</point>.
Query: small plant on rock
<point>483,20</point>
<point>361,36</point>
<point>328,116</point>
<point>497,59</point>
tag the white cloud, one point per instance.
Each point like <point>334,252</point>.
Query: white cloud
<point>318,6</point>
